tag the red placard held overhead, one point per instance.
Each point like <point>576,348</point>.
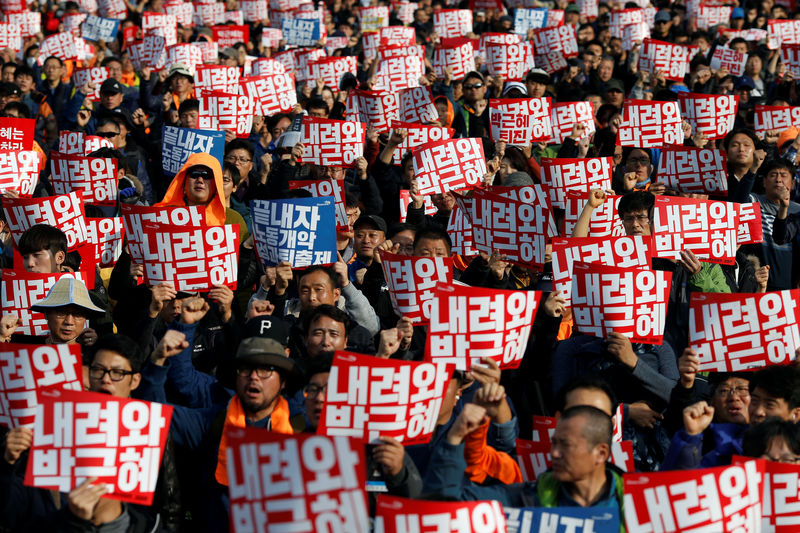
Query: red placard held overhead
<point>24,368</point>
<point>605,221</point>
<point>94,178</point>
<point>648,124</point>
<point>332,142</point>
<point>416,105</point>
<point>418,135</point>
<point>780,498</point>
<point>711,115</point>
<point>331,69</point>
<point>401,515</point>
<point>136,216</point>
<point>81,434</point>
<point>452,22</point>
<point>563,175</point>
<point>65,212</point>
<point>457,54</point>
<point>270,93</point>
<point>561,39</point>
<point>448,165</point>
<point>19,171</point>
<point>520,121</point>
<point>566,114</point>
<point>376,109</point>
<point>506,60</point>
<point>226,36</point>
<point>16,133</point>
<point>772,117</point>
<point>411,282</point>
<point>370,397</point>
<point>749,229</point>
<point>694,170</point>
<point>735,332</point>
<point>469,323</point>
<point>620,18</point>
<point>629,301</point>
<point>223,111</point>
<point>217,78</point>
<point>671,59</point>
<point>105,236</point>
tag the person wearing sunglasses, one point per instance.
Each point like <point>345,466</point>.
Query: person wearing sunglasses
<point>199,182</point>
<point>472,106</point>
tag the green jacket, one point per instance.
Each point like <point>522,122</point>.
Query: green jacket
<point>547,488</point>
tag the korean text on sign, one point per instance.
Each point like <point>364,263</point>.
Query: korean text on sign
<point>331,142</point>
<point>320,188</point>
<point>671,59</point>
<point>693,170</point>
<point>629,301</point>
<point>412,281</point>
<point>65,212</point>
<point>19,171</point>
<point>415,104</point>
<point>401,515</point>
<point>369,397</point>
<point>190,258</point>
<point>305,482</point>
<point>81,434</point>
<point>271,93</point>
<point>136,216</point>
<point>605,221</point>
<point>105,236</point>
<point>177,144</point>
<point>24,368</point>
<point>566,114</point>
<point>223,111</point>
<point>711,115</point>
<point>520,121</point>
<point>16,133</point>
<point>648,124</point>
<point>735,332</point>
<point>94,178</point>
<point>562,519</point>
<point>562,175</point>
<point>468,323</point>
<point>780,500</point>
<point>448,165</point>
<point>560,39</point>
<point>771,117</point>
<point>301,231</point>
<point>417,135</point>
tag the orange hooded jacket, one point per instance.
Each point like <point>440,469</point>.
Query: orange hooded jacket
<point>175,196</point>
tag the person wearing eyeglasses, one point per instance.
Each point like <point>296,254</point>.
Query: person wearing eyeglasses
<point>67,307</point>
<point>199,182</point>
<point>775,440</point>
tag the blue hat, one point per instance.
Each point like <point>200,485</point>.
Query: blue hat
<point>744,82</point>
<point>679,88</point>
<point>737,13</point>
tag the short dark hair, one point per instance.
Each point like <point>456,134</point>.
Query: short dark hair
<point>61,63</point>
<point>330,311</point>
<point>234,172</point>
<point>318,103</point>
<point>334,279</point>
<point>24,70</point>
<point>102,121</point>
<point>743,131</point>
<point>590,382</point>
<point>240,144</point>
<point>636,201</point>
<point>23,110</point>
<point>112,153</point>
<point>434,234</point>
<point>394,229</point>
<point>779,382</point>
<point>598,429</point>
<point>757,438</point>
<point>122,345</point>
<point>772,164</point>
<point>190,104</point>
<point>318,365</point>
<point>110,59</point>
<point>42,237</point>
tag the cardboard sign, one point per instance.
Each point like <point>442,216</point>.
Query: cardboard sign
<point>223,111</point>
<point>179,143</point>
<point>418,135</point>
<point>629,301</point>
<point>136,216</point>
<point>376,109</point>
<point>634,34</point>
<point>671,59</point>
<point>99,29</point>
<point>648,124</point>
<point>401,515</point>
<point>81,434</point>
<point>458,55</point>
<point>563,175</point>
<point>416,105</point>
<point>373,18</point>
<point>226,36</point>
<point>19,171</point>
<point>506,60</point>
<point>706,227</point>
<point>324,482</point>
<point>93,178</point>
<point>605,221</point>
<point>411,282</point>
<point>729,59</point>
<point>105,235</point>
<point>210,50</point>
<point>711,115</point>
<point>25,368</point>
<point>530,194</point>
<point>512,228</point>
<point>393,35</point>
<point>322,188</point>
<point>217,78</point>
<point>520,121</point>
<point>736,332</point>
<point>561,39</point>
<point>65,212</point>
<point>182,11</point>
<point>190,258</point>
<point>468,323</point>
<point>771,117</point>
<point>452,22</point>
<point>565,115</point>
<point>301,231</point>
<point>529,19</point>
<point>448,165</point>
<point>694,170</point>
<point>151,52</point>
<point>331,142</point>
<point>208,14</point>
<point>270,93</point>
<point>627,252</point>
<point>550,62</point>
<point>370,397</point>
<point>398,73</point>
<point>780,498</point>
<point>562,519</point>
<point>405,201</point>
<point>20,290</point>
<point>301,32</point>
<point>95,76</point>
<point>726,498</point>
<point>331,69</point>
<point>16,133</point>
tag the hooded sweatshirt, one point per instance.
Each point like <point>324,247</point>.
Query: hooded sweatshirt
<point>175,196</point>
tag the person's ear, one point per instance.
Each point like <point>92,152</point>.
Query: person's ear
<point>136,380</point>
<point>794,414</point>
<point>59,258</point>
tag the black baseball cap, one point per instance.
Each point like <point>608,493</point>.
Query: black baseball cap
<point>370,220</point>
<point>111,86</point>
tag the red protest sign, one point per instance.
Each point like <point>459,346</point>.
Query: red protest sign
<point>620,18</point>
<point>563,175</point>
<point>726,498</point>
<point>693,170</point>
<point>735,332</point>
<point>711,115</point>
<point>105,235</point>
<point>376,109</point>
<point>648,124</point>
<point>188,54</point>
<point>416,105</point>
<point>520,121</point>
<point>331,69</point>
<point>727,58</point>
<point>401,50</point>
<point>19,171</point>
<point>330,142</point>
<point>543,428</point>
<point>706,227</point>
<point>604,299</point>
<point>65,212</point>
<point>605,221</point>
<point>217,78</point>
<point>458,55</point>
<point>229,35</point>
<point>627,252</point>
<point>94,178</point>
<point>418,135</point>
<point>20,290</point>
<point>267,65</point>
<point>370,397</point>
<point>566,114</point>
<point>749,229</point>
<point>452,22</point>
<point>62,45</point>
<point>411,282</point>
<point>222,111</point>
<point>270,93</point>
<point>781,32</point>
<point>94,75</point>
<point>561,39</point>
<point>373,17</point>
<point>713,15</point>
<point>394,35</point>
<point>550,62</point>
<point>136,215</point>
<point>324,485</point>
<point>671,59</point>
<point>16,133</point>
<point>81,434</point>
<point>790,57</point>
<point>459,227</point>
<point>530,194</point>
<point>448,165</point>
<point>405,201</point>
<point>24,368</point>
<point>190,258</point>
<point>772,117</point>
<point>468,323</point>
<point>780,498</point>
<point>399,515</point>
<point>320,188</point>
<point>533,458</point>
<point>512,228</point>
<point>506,60</point>
<point>398,73</point>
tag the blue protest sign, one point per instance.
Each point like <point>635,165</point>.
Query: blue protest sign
<point>301,32</point>
<point>179,143</point>
<point>562,519</point>
<point>99,29</point>
<point>301,231</point>
<point>529,19</point>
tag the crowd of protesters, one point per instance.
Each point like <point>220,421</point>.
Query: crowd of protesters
<point>261,355</point>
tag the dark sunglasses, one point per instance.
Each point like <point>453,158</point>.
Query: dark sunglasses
<point>200,173</point>
<point>106,134</point>
<point>473,86</point>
